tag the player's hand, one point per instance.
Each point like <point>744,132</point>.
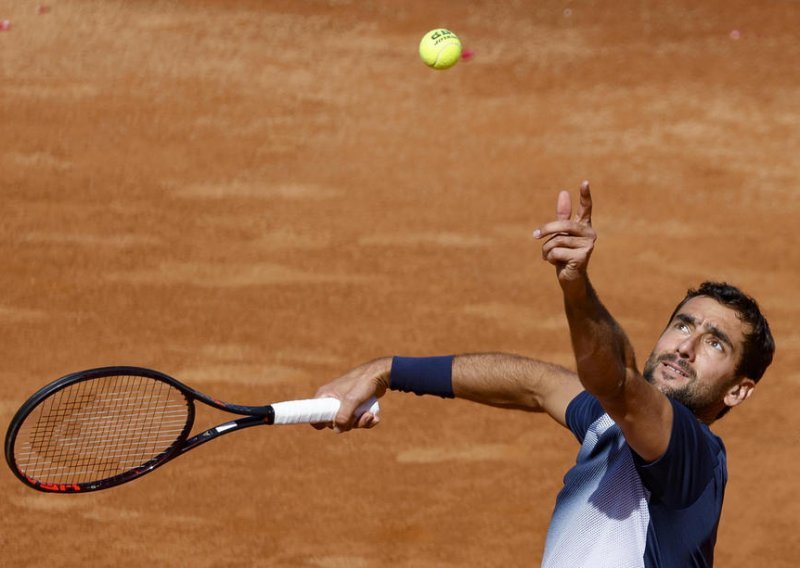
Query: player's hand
<point>353,389</point>
<point>569,240</point>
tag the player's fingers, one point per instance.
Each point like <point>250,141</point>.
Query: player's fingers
<point>552,228</point>
<point>584,214</point>
<point>350,403</point>
<point>344,418</point>
<point>563,242</point>
<point>585,239</point>
<point>566,227</point>
<point>367,420</point>
<point>560,256</point>
<point>563,205</point>
<point>557,241</point>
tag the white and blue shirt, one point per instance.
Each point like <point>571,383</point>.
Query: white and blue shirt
<point>618,511</point>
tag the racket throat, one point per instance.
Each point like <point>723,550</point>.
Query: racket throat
<point>227,427</point>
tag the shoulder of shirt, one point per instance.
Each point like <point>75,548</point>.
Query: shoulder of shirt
<point>713,439</point>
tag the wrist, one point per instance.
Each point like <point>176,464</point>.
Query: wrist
<point>381,370</point>
<point>576,289</point>
<point>423,375</point>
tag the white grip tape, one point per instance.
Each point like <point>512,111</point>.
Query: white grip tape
<point>314,410</point>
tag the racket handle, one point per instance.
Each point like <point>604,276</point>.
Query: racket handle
<point>314,410</point>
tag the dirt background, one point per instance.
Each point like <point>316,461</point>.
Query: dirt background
<point>256,196</point>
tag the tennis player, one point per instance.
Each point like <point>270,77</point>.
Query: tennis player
<point>649,480</point>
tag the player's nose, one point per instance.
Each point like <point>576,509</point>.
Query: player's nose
<point>686,348</point>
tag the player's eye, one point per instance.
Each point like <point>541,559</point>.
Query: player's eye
<point>681,326</point>
<point>716,344</point>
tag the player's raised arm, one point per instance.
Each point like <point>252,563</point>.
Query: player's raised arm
<point>604,356</point>
<point>495,379</point>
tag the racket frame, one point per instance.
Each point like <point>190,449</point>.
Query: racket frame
<point>254,416</point>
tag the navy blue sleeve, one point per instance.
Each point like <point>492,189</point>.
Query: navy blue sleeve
<point>581,412</point>
<point>683,472</point>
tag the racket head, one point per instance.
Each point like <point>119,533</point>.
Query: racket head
<point>98,428</point>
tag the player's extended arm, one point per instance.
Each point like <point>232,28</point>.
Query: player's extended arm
<point>603,354</point>
<point>513,381</point>
<point>495,379</point>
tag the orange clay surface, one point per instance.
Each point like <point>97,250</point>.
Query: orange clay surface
<point>256,196</point>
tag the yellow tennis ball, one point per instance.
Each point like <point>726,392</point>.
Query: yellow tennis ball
<point>440,48</point>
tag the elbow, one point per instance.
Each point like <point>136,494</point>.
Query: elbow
<point>604,381</point>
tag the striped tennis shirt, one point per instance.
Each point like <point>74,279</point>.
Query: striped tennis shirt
<point>618,511</point>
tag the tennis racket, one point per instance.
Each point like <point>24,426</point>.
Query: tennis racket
<point>103,427</point>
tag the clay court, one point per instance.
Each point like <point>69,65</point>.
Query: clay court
<point>256,196</point>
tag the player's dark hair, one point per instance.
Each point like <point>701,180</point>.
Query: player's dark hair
<point>759,346</point>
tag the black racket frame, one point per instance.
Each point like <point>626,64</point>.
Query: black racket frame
<point>254,416</point>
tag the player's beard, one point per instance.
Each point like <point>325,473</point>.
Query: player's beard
<point>690,394</point>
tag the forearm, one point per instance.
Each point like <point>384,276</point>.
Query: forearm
<point>495,379</point>
<point>506,380</point>
<point>603,353</point>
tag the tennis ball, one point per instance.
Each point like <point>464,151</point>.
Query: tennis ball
<point>440,48</point>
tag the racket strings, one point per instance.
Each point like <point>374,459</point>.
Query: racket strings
<point>100,428</point>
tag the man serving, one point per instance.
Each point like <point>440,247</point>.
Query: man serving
<point>649,480</point>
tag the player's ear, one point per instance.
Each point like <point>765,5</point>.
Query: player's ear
<point>739,391</point>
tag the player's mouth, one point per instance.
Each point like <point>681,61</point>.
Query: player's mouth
<point>672,370</point>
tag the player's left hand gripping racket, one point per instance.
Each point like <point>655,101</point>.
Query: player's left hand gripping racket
<point>99,428</point>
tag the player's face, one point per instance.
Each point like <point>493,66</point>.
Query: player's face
<point>696,356</point>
